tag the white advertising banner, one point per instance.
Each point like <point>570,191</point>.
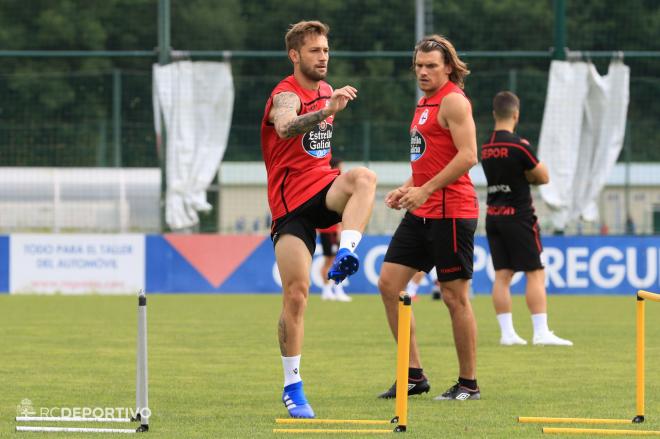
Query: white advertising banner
<point>76,264</point>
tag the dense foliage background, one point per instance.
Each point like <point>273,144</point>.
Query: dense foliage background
<point>58,111</point>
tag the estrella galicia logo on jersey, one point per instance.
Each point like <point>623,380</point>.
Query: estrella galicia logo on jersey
<point>417,145</point>
<point>317,141</point>
<point>424,117</point>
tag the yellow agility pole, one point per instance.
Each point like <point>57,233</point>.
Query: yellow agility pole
<point>642,296</point>
<point>545,420</point>
<point>603,431</point>
<point>641,346</point>
<point>401,405</point>
<point>329,430</point>
<point>639,381</point>
<point>402,362</point>
<point>330,421</point>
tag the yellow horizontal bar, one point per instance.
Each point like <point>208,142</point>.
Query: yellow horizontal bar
<point>532,420</point>
<point>648,296</point>
<point>327,430</point>
<point>330,421</point>
<point>603,431</point>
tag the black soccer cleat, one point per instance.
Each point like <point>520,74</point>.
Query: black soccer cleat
<point>415,387</point>
<point>459,393</point>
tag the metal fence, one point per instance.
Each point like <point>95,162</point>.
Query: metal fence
<point>81,97</point>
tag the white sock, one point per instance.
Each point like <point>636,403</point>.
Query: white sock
<point>540,322</point>
<point>291,367</point>
<point>411,288</point>
<point>338,289</point>
<point>433,274</point>
<point>350,239</point>
<point>506,324</point>
<point>327,289</point>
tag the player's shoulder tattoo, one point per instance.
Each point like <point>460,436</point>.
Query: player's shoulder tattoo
<point>285,103</point>
<point>286,100</point>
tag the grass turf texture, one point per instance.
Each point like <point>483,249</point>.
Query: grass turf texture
<point>215,371</point>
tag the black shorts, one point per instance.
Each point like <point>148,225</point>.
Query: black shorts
<point>515,243</point>
<point>305,219</point>
<point>329,243</point>
<point>447,244</point>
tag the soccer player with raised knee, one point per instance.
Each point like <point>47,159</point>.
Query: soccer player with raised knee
<point>304,192</point>
<point>511,166</point>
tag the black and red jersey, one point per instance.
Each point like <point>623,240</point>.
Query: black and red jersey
<point>297,167</point>
<point>504,159</point>
<point>431,149</point>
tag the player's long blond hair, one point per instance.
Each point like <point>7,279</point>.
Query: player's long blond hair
<point>430,43</point>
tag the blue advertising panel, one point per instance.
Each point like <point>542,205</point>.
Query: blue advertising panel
<point>573,265</point>
<point>4,264</point>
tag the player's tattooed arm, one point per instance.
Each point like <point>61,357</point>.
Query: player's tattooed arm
<point>285,117</point>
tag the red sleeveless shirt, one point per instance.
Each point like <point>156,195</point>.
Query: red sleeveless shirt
<point>431,149</point>
<point>297,167</point>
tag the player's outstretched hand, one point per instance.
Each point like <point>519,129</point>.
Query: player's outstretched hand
<point>340,98</point>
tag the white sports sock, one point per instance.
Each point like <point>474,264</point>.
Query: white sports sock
<point>350,239</point>
<point>327,289</point>
<point>411,288</point>
<point>291,367</point>
<point>540,322</point>
<point>506,324</point>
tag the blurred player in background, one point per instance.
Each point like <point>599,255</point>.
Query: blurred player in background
<point>413,285</point>
<point>442,209</point>
<point>329,238</point>
<point>513,233</point>
<point>305,193</point>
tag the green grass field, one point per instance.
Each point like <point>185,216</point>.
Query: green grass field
<point>215,369</point>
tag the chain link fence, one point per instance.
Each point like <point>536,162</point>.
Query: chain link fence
<point>86,110</point>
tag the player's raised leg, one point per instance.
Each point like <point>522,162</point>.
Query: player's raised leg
<point>294,263</point>
<point>351,194</point>
<point>393,279</point>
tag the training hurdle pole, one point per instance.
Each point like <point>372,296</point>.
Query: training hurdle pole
<point>642,296</point>
<point>600,431</point>
<point>142,412</point>
<point>640,342</point>
<point>401,405</point>
<point>142,376</point>
<point>402,362</point>
<point>74,430</point>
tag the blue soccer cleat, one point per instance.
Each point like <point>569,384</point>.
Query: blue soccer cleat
<point>295,402</point>
<point>346,263</point>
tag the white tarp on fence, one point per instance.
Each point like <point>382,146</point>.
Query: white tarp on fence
<point>582,135</point>
<point>196,101</point>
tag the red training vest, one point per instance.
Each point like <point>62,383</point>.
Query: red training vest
<point>297,167</point>
<point>431,149</point>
